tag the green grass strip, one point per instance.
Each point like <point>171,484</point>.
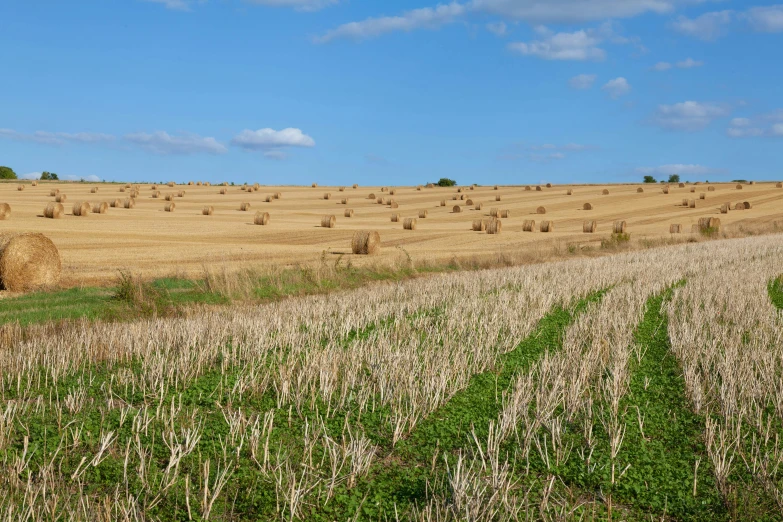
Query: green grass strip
<point>775,290</point>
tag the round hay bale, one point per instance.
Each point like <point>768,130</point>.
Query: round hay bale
<point>117,203</point>
<point>28,262</point>
<point>156,194</point>
<point>712,189</point>
<point>225,184</point>
<point>674,228</point>
<point>328,221</point>
<point>223,191</point>
<point>494,226</point>
<point>129,203</point>
<point>355,185</point>
<point>692,203</point>
<point>739,206</point>
<point>128,185</point>
<point>640,190</point>
<point>587,206</point>
<point>181,194</point>
<point>5,211</point>
<point>619,227</point>
<point>392,192</point>
<point>548,185</point>
<point>709,223</point>
<point>605,192</point>
<point>469,202</point>
<point>384,189</point>
<point>505,214</point>
<point>348,213</point>
<point>169,207</point>
<point>54,211</point>
<point>538,188</point>
<point>344,201</point>
<point>422,214</point>
<point>547,226</point>
<point>459,189</point>
<point>702,195</point>
<point>261,218</point>
<point>170,197</point>
<point>498,197</point>
<point>244,207</point>
<point>34,183</point>
<point>528,187</point>
<point>588,227</point>
<point>207,184</point>
<point>409,224</point>
<point>418,187</point>
<point>393,204</point>
<point>341,189</point>
<point>100,208</point>
<point>371,196</point>
<point>739,187</point>
<point>208,210</point>
<point>494,212</point>
<point>314,185</point>
<point>366,242</point>
<point>479,206</point>
<point>170,184</point>
<point>198,183</point>
<point>442,202</point>
<point>569,192</point>
<point>541,210</point>
<point>327,196</point>
<point>395,218</point>
<point>278,195</point>
<point>462,197</point>
<point>778,185</point>
<point>456,209</point>
<point>430,185</point>
<point>479,225</point>
<point>752,183</point>
<point>190,183</point>
<point>269,199</point>
<point>122,189</point>
<point>747,204</point>
<point>724,209</point>
<point>455,197</point>
<point>20,187</point>
<point>681,185</point>
<point>153,187</point>
<point>61,198</point>
<point>473,187</point>
<point>81,208</point>
<point>529,225</point>
<point>93,190</point>
<point>665,190</point>
<point>693,189</point>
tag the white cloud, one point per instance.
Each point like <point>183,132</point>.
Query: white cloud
<point>270,139</point>
<point>582,81</point>
<point>580,45</point>
<point>662,66</point>
<point>56,138</point>
<point>73,177</point>
<point>689,115</point>
<point>175,5</point>
<point>758,126</point>
<point>689,63</point>
<point>275,154</point>
<point>766,19</point>
<point>678,168</point>
<point>777,129</point>
<point>428,17</point>
<point>744,132</point>
<point>617,87</point>
<point>498,28</point>
<point>571,11</point>
<point>161,142</point>
<point>708,26</point>
<point>31,175</point>
<point>299,5</point>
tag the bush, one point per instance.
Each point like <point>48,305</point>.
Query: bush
<point>7,173</point>
<point>446,182</point>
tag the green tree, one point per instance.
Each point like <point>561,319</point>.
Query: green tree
<point>7,173</point>
<point>649,179</point>
<point>446,182</point>
<point>674,178</point>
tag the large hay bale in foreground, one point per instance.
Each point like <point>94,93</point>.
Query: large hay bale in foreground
<point>5,211</point>
<point>366,242</point>
<point>28,262</point>
<point>409,224</point>
<point>328,221</point>
<point>54,211</point>
<point>261,218</point>
<point>588,227</point>
<point>81,208</point>
<point>619,227</point>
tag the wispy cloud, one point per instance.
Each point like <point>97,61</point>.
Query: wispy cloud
<point>161,142</point>
<point>543,152</point>
<point>766,19</point>
<point>770,124</point>
<point>708,26</point>
<point>689,115</point>
<point>56,138</point>
<point>617,87</point>
<point>428,17</point>
<point>299,5</point>
<point>571,11</point>
<point>582,81</point>
<point>689,63</point>
<point>677,168</point>
<point>174,5</point>
<point>497,28</point>
<point>578,46</point>
<point>662,66</point>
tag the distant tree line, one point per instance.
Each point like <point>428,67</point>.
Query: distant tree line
<point>674,178</point>
<point>8,173</point>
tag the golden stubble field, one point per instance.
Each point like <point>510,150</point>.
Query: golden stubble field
<point>152,242</point>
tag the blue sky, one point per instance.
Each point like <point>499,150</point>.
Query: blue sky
<point>345,91</point>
